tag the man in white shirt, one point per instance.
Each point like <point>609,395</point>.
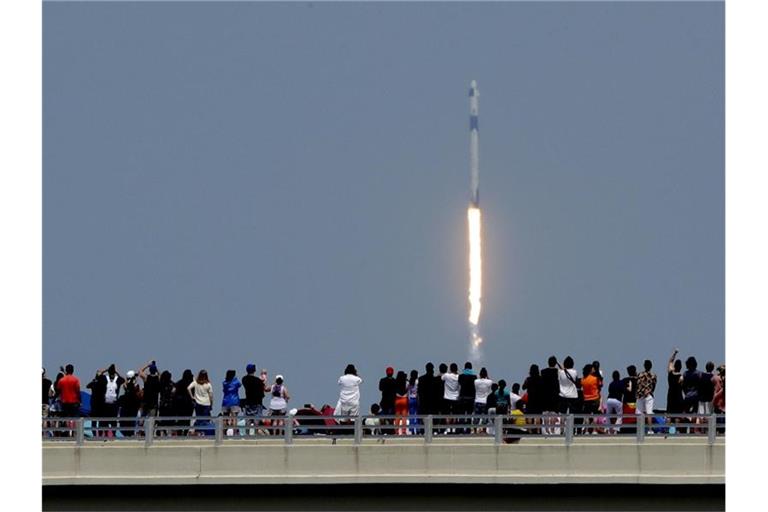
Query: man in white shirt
<point>451,390</point>
<point>349,395</point>
<point>514,396</point>
<point>569,393</point>
<point>482,390</point>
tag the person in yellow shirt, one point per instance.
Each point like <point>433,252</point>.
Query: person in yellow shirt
<point>518,420</point>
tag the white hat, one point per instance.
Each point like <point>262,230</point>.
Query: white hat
<point>130,374</point>
<point>293,412</point>
<point>279,377</point>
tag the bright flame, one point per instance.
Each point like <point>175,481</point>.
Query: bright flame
<point>475,273</point>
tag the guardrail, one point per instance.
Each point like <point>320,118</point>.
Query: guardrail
<point>500,429</point>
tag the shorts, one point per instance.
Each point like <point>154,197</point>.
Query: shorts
<point>644,405</point>
<point>230,409</point>
<point>46,408</point>
<point>591,407</point>
<point>254,410</point>
<point>347,409</point>
<point>705,408</point>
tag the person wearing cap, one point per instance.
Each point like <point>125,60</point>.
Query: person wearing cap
<point>349,394</point>
<point>129,404</point>
<point>151,394</point>
<point>278,401</point>
<point>388,388</point>
<point>254,392</point>
<point>111,383</point>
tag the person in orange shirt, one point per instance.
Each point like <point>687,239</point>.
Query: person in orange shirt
<point>69,393</point>
<point>590,388</point>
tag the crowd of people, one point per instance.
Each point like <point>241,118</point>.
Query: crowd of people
<point>544,395</point>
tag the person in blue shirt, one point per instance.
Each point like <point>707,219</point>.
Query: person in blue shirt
<point>230,402</point>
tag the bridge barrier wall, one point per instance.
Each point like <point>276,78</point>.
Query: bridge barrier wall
<point>665,462</point>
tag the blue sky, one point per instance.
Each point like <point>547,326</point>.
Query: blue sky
<point>287,184</point>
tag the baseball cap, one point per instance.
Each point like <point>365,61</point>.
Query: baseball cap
<point>130,374</point>
<point>390,370</point>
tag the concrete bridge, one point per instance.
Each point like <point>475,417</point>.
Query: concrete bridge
<point>588,460</point>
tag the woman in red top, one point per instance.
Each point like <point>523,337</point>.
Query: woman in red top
<point>401,402</point>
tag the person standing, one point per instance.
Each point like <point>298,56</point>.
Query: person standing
<point>467,389</point>
<point>568,387</point>
<point>707,389</point>
<point>254,392</point>
<point>425,392</point>
<point>46,394</point>
<point>550,395</point>
<point>412,390</point>
<point>718,401</point>
<point>451,390</point>
<point>47,385</point>
<point>482,386</point>
<point>675,403</point>
<point>349,393</point>
<point>201,391</point>
<point>230,400</point>
<point>691,378</point>
<point>183,403</point>
<point>401,403</point>
<point>387,402</point>
<point>438,396</point>
<point>98,388</point>
<point>590,388</point>
<point>646,387</point>
<point>278,402</point>
<point>534,393</point>
<point>614,405</point>
<point>165,404</point>
<point>112,382</point>
<point>69,393</point>
<point>151,391</point>
<point>502,398</point>
<point>130,403</point>
<point>387,388</point>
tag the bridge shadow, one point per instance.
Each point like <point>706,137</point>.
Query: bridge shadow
<point>380,497</point>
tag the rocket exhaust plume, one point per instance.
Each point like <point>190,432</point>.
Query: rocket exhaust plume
<point>474,220</point>
<point>475,273</point>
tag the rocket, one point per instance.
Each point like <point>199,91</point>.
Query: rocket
<point>474,153</point>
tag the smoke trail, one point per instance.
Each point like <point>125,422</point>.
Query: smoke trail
<point>475,279</point>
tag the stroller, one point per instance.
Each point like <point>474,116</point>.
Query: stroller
<point>314,426</point>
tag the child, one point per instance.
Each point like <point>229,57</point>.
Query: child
<point>374,423</point>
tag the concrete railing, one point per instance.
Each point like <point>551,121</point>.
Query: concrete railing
<point>600,460</point>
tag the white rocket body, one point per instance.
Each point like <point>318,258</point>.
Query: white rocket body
<point>474,150</point>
